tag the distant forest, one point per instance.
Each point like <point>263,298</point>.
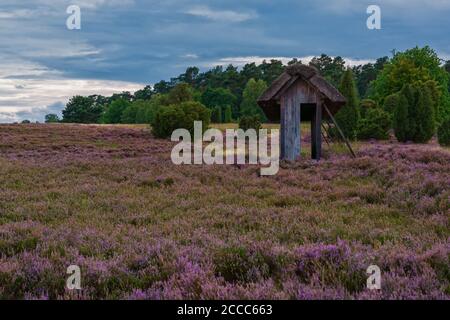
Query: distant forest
<point>218,87</point>
<point>408,92</point>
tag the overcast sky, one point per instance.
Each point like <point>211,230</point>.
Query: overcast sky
<point>126,44</point>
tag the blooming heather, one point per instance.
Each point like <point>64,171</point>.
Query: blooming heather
<point>109,199</point>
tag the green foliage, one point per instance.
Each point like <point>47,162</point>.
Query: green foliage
<point>415,66</point>
<point>129,114</point>
<point>115,110</point>
<point>83,110</point>
<point>213,97</point>
<point>252,92</point>
<point>146,110</point>
<point>391,102</point>
<point>425,121</point>
<point>144,94</point>
<point>349,115</point>
<point>402,119</point>
<point>414,116</point>
<point>26,121</point>
<point>172,117</point>
<point>375,125</point>
<point>227,117</point>
<point>330,68</point>
<point>365,105</point>
<point>180,93</point>
<point>367,73</point>
<point>444,133</point>
<point>51,118</point>
<point>216,115</point>
<point>250,122</point>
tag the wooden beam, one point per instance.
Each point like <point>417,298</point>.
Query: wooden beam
<point>316,132</point>
<point>340,131</point>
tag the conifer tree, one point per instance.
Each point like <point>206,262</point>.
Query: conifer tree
<point>349,115</point>
<point>401,119</point>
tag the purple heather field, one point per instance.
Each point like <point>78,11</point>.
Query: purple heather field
<point>109,199</point>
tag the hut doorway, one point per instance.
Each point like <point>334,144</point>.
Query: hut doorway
<point>309,112</point>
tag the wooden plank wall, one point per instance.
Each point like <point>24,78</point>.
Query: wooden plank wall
<point>290,100</point>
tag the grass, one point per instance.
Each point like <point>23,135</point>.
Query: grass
<point>108,198</point>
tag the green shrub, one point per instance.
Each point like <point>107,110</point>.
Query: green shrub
<point>391,102</point>
<point>366,105</point>
<point>425,118</point>
<point>170,118</point>
<point>414,116</point>
<point>444,133</point>
<point>401,119</point>
<point>375,125</point>
<point>250,122</point>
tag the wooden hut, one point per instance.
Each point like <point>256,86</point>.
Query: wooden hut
<point>300,94</point>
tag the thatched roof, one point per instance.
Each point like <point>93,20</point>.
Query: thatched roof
<point>269,100</point>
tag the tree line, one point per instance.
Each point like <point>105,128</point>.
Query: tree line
<point>407,90</point>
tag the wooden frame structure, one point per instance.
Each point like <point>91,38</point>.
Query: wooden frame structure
<point>298,87</point>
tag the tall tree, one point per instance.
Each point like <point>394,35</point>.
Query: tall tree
<point>222,97</point>
<point>330,68</point>
<point>414,66</point>
<point>51,118</point>
<point>349,115</point>
<point>144,94</point>
<point>249,105</point>
<point>401,119</point>
<point>81,109</point>
<point>115,110</point>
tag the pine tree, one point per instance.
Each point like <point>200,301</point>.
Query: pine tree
<point>349,115</point>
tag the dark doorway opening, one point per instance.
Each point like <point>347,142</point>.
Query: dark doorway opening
<point>307,111</point>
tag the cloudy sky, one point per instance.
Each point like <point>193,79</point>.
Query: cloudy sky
<point>126,44</point>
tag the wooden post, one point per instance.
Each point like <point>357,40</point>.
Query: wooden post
<point>316,132</point>
<point>290,128</point>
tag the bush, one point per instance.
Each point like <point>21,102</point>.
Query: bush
<point>375,125</point>
<point>51,118</point>
<point>170,118</point>
<point>444,133</point>
<point>391,102</point>
<point>414,116</point>
<point>425,121</point>
<point>250,122</point>
<point>366,105</point>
